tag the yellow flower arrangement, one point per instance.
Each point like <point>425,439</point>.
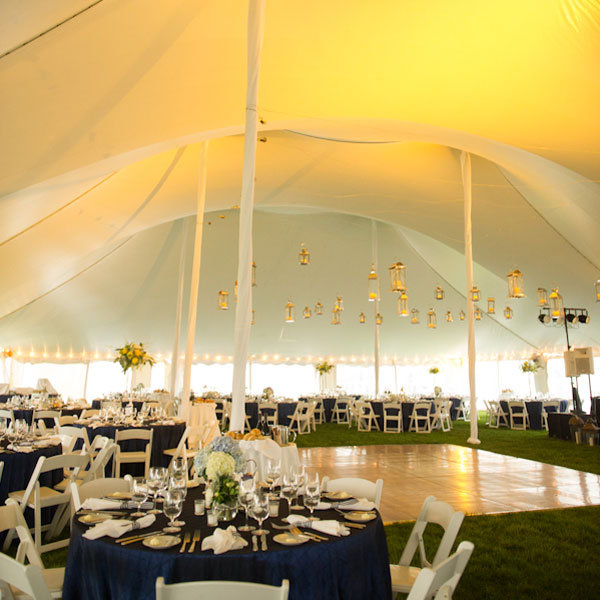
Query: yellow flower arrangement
<point>132,356</point>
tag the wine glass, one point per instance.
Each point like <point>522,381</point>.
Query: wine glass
<point>156,481</point>
<point>312,495</point>
<point>246,499</point>
<point>289,488</point>
<point>179,491</point>
<point>172,509</point>
<point>299,476</point>
<point>259,510</point>
<point>139,495</point>
<point>3,426</point>
<point>273,473</point>
<point>179,467</point>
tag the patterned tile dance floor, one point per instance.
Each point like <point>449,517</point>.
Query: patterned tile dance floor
<point>471,480</point>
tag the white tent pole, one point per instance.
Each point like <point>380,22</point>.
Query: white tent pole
<point>243,309</point>
<point>85,381</point>
<point>375,308</point>
<point>195,280</point>
<point>465,162</point>
<point>180,282</point>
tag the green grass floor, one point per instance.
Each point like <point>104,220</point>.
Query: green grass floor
<point>550,554</point>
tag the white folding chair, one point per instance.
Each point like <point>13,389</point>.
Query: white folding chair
<point>392,417</point>
<point>497,415</point>
<point>27,579</point>
<point>445,420</point>
<point>300,420</point>
<point>270,410</point>
<point>340,413</point>
<point>11,518</point>
<point>432,511</point>
<point>444,577</point>
<point>89,412</point>
<point>192,436</point>
<point>223,590</point>
<point>367,419</point>
<point>8,414</point>
<point>420,422</point>
<point>519,417</point>
<point>136,456</point>
<point>38,497</point>
<point>319,413</point>
<point>355,486</point>
<point>465,408</point>
<point>436,415</point>
<point>46,414</point>
<point>554,406</point>
<point>98,461</point>
<point>77,433</point>
<point>66,420</point>
<point>98,488</point>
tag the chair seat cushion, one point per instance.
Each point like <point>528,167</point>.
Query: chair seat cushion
<point>403,578</point>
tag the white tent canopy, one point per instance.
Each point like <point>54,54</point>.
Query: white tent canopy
<point>365,113</point>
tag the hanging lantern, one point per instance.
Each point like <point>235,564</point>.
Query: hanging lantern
<point>378,319</point>
<point>318,308</point>
<point>304,255</point>
<point>415,317</point>
<point>475,294</point>
<point>542,297</point>
<point>556,305</point>
<point>306,313</point>
<point>289,312</point>
<point>403,304</point>
<point>461,315</point>
<point>339,304</point>
<point>515,284</point>
<point>235,291</point>
<point>373,284</point>
<point>439,293</point>
<point>431,319</point>
<point>362,318</point>
<point>508,313</point>
<point>336,317</point>
<point>491,306</point>
<point>478,314</point>
<point>449,317</point>
<point>397,277</point>
<point>252,319</point>
<point>223,300</point>
<point>253,274</point>
<point>597,290</point>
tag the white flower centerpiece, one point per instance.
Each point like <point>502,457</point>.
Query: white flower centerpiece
<point>221,464</point>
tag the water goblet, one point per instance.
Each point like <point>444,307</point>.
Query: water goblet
<point>299,477</point>
<point>289,487</point>
<point>312,497</point>
<point>180,493</point>
<point>172,509</point>
<point>139,495</point>
<point>155,484</point>
<point>259,510</point>
<point>246,499</point>
<point>273,473</point>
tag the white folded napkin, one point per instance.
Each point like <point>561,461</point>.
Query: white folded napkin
<point>323,506</point>
<point>360,504</point>
<point>329,527</point>
<point>22,449</point>
<point>117,527</point>
<point>223,540</point>
<point>101,504</point>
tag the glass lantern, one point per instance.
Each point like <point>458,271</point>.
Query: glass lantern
<point>461,315</point>
<point>253,274</point>
<point>403,304</point>
<point>362,318</point>
<point>431,319</point>
<point>542,297</point>
<point>303,255</point>
<point>515,284</point>
<point>223,300</point>
<point>252,321</point>
<point>439,293</point>
<point>491,306</point>
<point>307,313</point>
<point>475,294</point>
<point>397,277</point>
<point>378,319</point>
<point>318,308</point>
<point>289,312</point>
<point>415,317</point>
<point>235,291</point>
<point>508,313</point>
<point>373,284</point>
<point>339,304</point>
<point>449,317</point>
<point>556,305</point>
<point>477,314</point>
<point>336,317</point>
<point>597,290</point>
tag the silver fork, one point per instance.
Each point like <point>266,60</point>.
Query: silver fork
<point>186,539</point>
<point>195,539</point>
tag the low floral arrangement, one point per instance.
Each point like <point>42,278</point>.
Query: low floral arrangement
<point>133,356</point>
<point>530,367</point>
<point>267,393</point>
<point>324,367</point>
<point>434,370</point>
<point>218,463</point>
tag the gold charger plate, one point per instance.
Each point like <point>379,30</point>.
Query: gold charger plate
<point>359,516</point>
<point>95,517</point>
<point>120,495</point>
<point>160,542</point>
<point>192,484</point>
<point>290,539</point>
<point>337,495</point>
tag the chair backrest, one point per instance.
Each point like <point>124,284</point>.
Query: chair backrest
<point>89,412</point>
<point>179,451</point>
<point>553,404</point>
<point>98,488</point>
<point>66,420</point>
<point>133,434</point>
<point>76,433</point>
<point>11,517</point>
<point>7,414</point>
<point>357,487</point>
<point>46,414</point>
<point>516,406</point>
<point>101,459</point>
<point>28,579</point>
<point>444,577</point>
<point>223,590</point>
<point>440,513</point>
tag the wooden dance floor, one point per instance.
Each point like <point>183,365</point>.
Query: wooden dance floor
<point>471,480</point>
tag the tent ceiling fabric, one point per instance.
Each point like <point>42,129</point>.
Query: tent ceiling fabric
<point>366,111</point>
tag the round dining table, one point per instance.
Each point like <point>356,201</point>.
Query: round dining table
<point>354,567</point>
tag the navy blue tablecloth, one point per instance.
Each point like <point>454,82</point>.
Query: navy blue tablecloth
<point>456,402</point>
<point>285,410</point>
<point>97,404</point>
<point>252,413</point>
<point>355,567</point>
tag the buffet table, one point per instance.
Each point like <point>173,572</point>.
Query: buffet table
<point>344,568</point>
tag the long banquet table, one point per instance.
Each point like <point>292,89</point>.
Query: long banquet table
<point>346,568</point>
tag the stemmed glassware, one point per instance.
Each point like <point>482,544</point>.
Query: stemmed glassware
<point>289,487</point>
<point>139,495</point>
<point>273,473</point>
<point>300,480</point>
<point>3,427</point>
<point>178,485</point>
<point>259,510</point>
<point>157,480</point>
<point>172,507</point>
<point>312,494</point>
<point>246,498</point>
